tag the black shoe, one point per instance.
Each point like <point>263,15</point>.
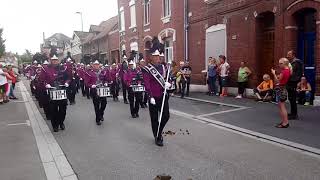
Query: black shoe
<point>102,119</point>
<point>98,123</point>
<point>134,116</point>
<point>126,102</point>
<point>62,127</point>
<point>55,130</point>
<point>159,141</point>
<point>137,115</point>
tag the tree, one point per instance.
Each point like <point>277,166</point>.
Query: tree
<point>26,57</point>
<point>40,58</point>
<point>2,43</point>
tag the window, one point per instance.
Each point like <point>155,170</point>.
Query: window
<point>133,13</point>
<point>122,20</point>
<point>53,42</point>
<point>168,50</point>
<point>166,8</point>
<point>135,48</point>
<point>146,12</point>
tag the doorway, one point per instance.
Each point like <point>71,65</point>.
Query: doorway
<point>265,43</point>
<point>306,49</point>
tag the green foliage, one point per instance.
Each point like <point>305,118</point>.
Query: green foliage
<point>26,57</point>
<point>2,43</point>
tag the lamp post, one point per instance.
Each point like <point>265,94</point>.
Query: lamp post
<point>81,20</point>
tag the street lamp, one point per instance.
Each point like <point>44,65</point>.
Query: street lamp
<point>81,20</point>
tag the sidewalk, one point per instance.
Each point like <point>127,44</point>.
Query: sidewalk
<point>19,156</point>
<point>262,117</point>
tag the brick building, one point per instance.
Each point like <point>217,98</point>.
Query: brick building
<point>102,42</point>
<point>256,31</point>
<point>141,20</point>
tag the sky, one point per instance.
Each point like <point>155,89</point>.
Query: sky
<point>24,21</point>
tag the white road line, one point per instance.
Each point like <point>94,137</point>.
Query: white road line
<point>311,151</point>
<point>222,112</point>
<point>54,162</point>
<point>18,124</point>
<point>213,102</point>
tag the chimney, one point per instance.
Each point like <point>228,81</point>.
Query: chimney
<point>43,36</point>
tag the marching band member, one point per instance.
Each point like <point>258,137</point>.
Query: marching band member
<point>81,73</point>
<point>114,82</point>
<point>122,71</point>
<point>53,76</point>
<point>97,77</point>
<point>71,90</point>
<point>132,78</point>
<point>86,78</point>
<point>32,74</point>
<point>155,85</point>
<point>144,100</point>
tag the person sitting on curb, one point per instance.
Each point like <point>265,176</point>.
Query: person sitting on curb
<point>265,89</point>
<point>304,92</point>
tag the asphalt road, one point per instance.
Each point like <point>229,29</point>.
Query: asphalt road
<point>123,148</point>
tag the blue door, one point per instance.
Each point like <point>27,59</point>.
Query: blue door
<point>306,52</point>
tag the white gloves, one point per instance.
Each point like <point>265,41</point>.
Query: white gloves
<point>167,85</point>
<point>105,84</point>
<point>111,82</point>
<point>66,84</point>
<point>153,101</point>
<point>81,79</point>
<point>48,86</point>
<point>93,86</point>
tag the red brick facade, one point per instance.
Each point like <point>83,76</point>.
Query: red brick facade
<point>144,33</point>
<point>247,21</point>
<point>258,31</point>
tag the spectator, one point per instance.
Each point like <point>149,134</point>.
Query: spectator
<point>265,89</point>
<point>13,81</point>
<point>296,74</point>
<point>304,92</point>
<point>6,84</point>
<point>3,82</point>
<point>180,77</point>
<point>186,73</point>
<point>212,76</point>
<point>281,92</point>
<point>243,78</point>
<point>224,75</point>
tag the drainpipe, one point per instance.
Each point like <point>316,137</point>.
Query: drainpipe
<point>186,27</point>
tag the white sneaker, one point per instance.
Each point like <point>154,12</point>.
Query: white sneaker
<point>238,97</point>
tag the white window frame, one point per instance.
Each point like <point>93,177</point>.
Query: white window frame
<point>122,20</point>
<point>133,14</point>
<point>146,12</point>
<point>166,8</point>
<point>168,51</point>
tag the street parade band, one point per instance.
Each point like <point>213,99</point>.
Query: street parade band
<point>147,84</point>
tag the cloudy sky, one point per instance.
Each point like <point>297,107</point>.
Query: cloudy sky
<point>24,21</point>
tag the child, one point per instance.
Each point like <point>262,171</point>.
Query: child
<point>264,89</point>
<point>281,92</point>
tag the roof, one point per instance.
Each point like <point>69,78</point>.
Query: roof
<point>59,37</point>
<point>81,35</point>
<point>88,38</point>
<point>95,28</point>
<point>108,26</point>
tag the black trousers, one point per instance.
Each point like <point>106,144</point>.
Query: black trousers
<point>242,87</point>
<point>100,104</point>
<point>87,92</point>
<point>71,91</point>
<point>292,95</point>
<point>58,110</point>
<point>154,111</point>
<point>82,88</point>
<point>185,84</point>
<point>135,99</point>
<point>144,98</point>
<point>124,90</point>
<point>115,90</point>
<point>44,100</point>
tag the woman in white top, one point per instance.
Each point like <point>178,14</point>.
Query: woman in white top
<point>3,82</point>
<point>224,75</point>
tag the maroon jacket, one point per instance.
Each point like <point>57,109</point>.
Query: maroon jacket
<point>152,86</point>
<point>54,75</point>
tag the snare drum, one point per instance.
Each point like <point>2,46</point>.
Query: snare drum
<point>103,92</point>
<point>172,87</point>
<point>56,95</point>
<point>138,88</point>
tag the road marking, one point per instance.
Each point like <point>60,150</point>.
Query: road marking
<point>213,102</point>
<point>222,112</point>
<point>53,160</point>
<point>18,124</point>
<point>308,150</point>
